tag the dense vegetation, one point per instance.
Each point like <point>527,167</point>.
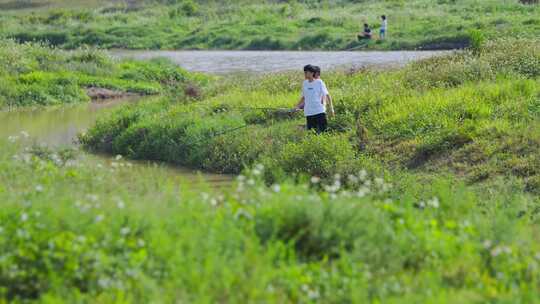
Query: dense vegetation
<point>250,24</point>
<point>72,231</point>
<point>473,113</point>
<point>33,74</point>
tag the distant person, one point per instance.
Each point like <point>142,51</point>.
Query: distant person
<point>312,101</point>
<point>384,27</point>
<point>366,34</point>
<point>328,98</point>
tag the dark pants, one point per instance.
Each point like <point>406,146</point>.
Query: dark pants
<point>317,122</point>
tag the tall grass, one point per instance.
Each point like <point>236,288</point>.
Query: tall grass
<point>34,74</point>
<point>474,113</point>
<point>75,231</point>
<point>272,25</point>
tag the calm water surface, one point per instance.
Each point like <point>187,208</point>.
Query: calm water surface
<point>220,62</point>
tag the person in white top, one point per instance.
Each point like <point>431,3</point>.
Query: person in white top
<point>313,100</point>
<point>328,98</point>
<point>384,27</point>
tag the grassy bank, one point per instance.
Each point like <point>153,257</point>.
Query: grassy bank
<point>76,232</point>
<point>475,114</point>
<point>33,74</point>
<point>291,25</point>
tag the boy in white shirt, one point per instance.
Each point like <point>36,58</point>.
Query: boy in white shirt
<point>312,101</point>
<point>384,26</point>
<point>328,98</point>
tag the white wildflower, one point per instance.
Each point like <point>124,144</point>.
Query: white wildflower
<point>213,202</point>
<point>13,139</point>
<point>251,182</point>
<point>352,179</point>
<point>25,134</point>
<point>487,244</point>
<point>104,282</point>
<point>125,231</point>
<point>315,179</point>
<point>140,243</point>
<point>379,181</point>
<point>39,188</point>
<point>256,172</point>
<point>120,204</point>
<point>118,157</point>
<point>259,167</point>
<point>24,217</point>
<point>276,188</point>
<point>434,202</point>
<point>362,174</point>
<point>496,251</point>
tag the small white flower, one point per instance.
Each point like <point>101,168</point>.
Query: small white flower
<point>486,244</point>
<point>362,174</point>
<point>251,182</point>
<point>120,204</point>
<point>104,282</point>
<point>24,217</point>
<point>99,218</point>
<point>13,139</point>
<point>496,251</point>
<point>256,172</point>
<point>352,179</point>
<point>124,231</point>
<point>213,202</point>
<point>25,134</point>
<point>276,188</point>
<point>114,164</point>
<point>315,179</point>
<point>259,167</point>
<point>118,157</point>
<point>140,242</point>
<point>379,181</point>
<point>39,188</point>
<point>434,202</point>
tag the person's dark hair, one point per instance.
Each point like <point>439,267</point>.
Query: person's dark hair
<point>317,70</point>
<point>366,25</point>
<point>309,68</point>
<point>384,17</point>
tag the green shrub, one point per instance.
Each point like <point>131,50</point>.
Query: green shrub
<point>315,155</point>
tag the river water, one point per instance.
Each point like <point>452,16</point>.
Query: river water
<point>59,125</point>
<point>220,62</point>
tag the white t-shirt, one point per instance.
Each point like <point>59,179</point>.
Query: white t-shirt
<point>313,93</point>
<point>384,24</point>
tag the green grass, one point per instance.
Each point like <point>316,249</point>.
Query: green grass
<point>293,25</point>
<point>33,74</point>
<point>72,231</point>
<point>473,114</point>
